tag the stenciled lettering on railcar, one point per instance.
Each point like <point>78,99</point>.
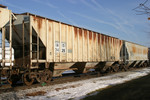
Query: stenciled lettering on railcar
<point>56,46</point>
<point>63,47</point>
<point>69,50</point>
<point>26,18</point>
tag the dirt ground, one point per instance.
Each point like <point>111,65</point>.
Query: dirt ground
<point>138,89</point>
<point>61,80</point>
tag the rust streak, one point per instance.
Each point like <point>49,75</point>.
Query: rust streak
<point>145,51</point>
<point>103,39</point>
<point>80,33</point>
<point>90,35</point>
<point>98,38</point>
<point>114,41</point>
<point>85,34</point>
<point>75,32</point>
<point>50,27</point>
<point>120,42</point>
<point>109,38</point>
<point>38,21</point>
<point>134,49</point>
<point>94,36</point>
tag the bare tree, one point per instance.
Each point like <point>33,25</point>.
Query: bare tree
<point>143,8</point>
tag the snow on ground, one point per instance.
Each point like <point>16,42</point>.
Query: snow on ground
<point>79,89</point>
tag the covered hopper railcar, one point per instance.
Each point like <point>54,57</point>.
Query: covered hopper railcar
<point>44,48</point>
<point>134,55</point>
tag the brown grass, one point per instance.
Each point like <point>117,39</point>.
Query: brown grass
<point>72,86</point>
<point>38,93</point>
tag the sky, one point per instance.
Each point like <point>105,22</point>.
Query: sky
<point>111,17</point>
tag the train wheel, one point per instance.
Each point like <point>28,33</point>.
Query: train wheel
<point>38,77</point>
<point>115,67</point>
<point>145,64</point>
<point>9,80</point>
<point>125,67</point>
<point>48,75</point>
<point>27,80</point>
<point>41,77</point>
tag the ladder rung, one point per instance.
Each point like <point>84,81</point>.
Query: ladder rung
<point>34,43</point>
<point>33,51</point>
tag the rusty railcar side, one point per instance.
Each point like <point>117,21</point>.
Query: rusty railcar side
<point>136,55</point>
<point>82,45</point>
<point>149,54</point>
<point>40,42</point>
<point>65,43</point>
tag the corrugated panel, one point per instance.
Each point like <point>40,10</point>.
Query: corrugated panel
<point>109,49</point>
<point>50,46</point>
<point>72,44</point>
<point>75,41</point>
<point>94,46</point>
<point>90,46</point>
<point>105,48</point>
<point>112,49</point>
<point>63,47</point>
<point>80,45</point>
<point>99,47</point>
<point>85,48</point>
<point>102,48</point>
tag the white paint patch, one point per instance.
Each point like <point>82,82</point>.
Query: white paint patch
<point>79,89</point>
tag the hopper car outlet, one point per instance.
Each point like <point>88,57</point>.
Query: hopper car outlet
<point>43,48</point>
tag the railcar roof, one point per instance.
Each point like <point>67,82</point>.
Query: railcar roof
<point>27,13</point>
<point>2,6</point>
<point>134,43</point>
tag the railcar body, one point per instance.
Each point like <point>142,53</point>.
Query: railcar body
<point>44,48</point>
<point>149,54</point>
<point>134,54</point>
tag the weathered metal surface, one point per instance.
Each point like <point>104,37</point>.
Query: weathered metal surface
<point>136,52</point>
<point>65,43</point>
<point>4,17</point>
<point>149,54</point>
<point>73,44</point>
<point>52,41</point>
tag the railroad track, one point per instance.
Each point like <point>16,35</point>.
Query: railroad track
<point>56,80</point>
